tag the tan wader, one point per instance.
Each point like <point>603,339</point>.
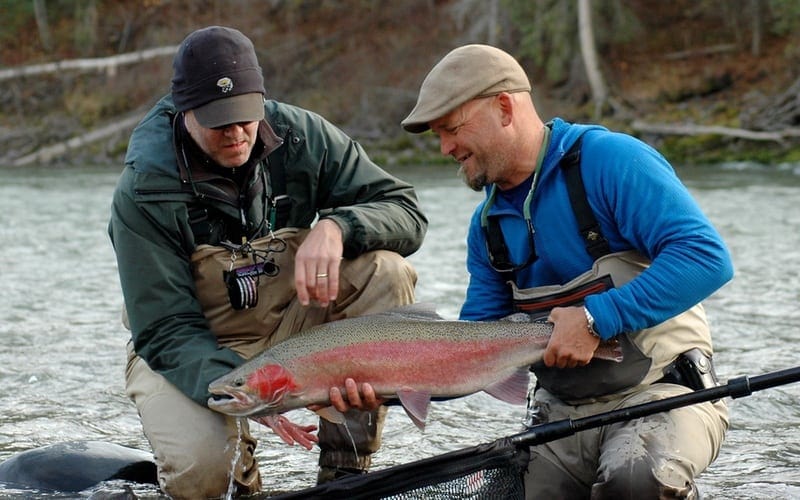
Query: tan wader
<point>195,447</point>
<point>652,457</point>
<point>657,456</point>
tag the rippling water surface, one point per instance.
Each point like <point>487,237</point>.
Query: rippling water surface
<point>62,359</point>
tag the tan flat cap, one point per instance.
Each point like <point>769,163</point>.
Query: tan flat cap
<point>465,73</point>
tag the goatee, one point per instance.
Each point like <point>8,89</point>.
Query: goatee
<point>476,183</point>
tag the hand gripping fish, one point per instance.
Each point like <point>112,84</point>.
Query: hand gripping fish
<point>409,353</point>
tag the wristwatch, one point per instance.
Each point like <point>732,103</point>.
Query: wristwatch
<point>590,322</point>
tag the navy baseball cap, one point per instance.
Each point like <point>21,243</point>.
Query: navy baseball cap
<point>216,74</point>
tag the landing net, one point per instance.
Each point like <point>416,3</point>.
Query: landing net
<point>487,471</point>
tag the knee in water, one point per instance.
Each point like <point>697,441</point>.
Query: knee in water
<point>637,478</point>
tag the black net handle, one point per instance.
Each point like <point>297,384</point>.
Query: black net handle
<point>736,388</point>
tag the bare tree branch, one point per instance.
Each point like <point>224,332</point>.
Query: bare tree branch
<point>40,13</point>
<point>590,59</point>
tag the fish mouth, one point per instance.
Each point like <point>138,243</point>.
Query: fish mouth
<point>238,404</point>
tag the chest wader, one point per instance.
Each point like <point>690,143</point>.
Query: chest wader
<point>245,291</point>
<point>650,355</point>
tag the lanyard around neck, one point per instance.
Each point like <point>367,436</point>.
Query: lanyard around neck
<point>526,205</point>
<point>501,261</point>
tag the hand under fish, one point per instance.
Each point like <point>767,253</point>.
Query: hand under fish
<point>292,433</point>
<point>288,431</point>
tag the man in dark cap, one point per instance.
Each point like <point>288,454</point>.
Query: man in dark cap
<point>592,231</point>
<point>237,222</point>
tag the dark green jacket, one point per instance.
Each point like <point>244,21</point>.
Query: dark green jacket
<point>327,174</point>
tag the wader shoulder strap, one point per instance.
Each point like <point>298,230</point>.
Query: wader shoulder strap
<point>280,202</point>
<point>200,222</point>
<point>596,243</point>
<point>497,249</point>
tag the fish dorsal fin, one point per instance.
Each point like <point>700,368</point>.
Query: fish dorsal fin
<point>331,414</point>
<point>518,317</point>
<point>416,404</point>
<point>420,310</point>
<point>512,389</point>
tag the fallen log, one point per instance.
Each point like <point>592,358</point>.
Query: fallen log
<point>108,63</point>
<point>47,153</point>
<point>694,129</point>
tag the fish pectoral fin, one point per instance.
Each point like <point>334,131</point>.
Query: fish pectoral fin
<point>512,389</point>
<point>331,414</point>
<point>416,404</point>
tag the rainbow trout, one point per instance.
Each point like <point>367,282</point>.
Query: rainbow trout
<point>409,353</point>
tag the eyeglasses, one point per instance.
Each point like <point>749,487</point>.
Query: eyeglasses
<point>496,248</point>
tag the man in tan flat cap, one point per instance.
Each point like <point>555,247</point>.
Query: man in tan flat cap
<point>592,231</point>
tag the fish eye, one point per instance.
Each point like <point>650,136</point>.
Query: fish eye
<point>238,382</point>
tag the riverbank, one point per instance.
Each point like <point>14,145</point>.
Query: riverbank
<point>697,130</point>
<point>677,86</point>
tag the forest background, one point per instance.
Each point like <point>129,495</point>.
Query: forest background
<point>702,80</point>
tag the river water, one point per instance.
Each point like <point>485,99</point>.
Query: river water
<point>62,355</point>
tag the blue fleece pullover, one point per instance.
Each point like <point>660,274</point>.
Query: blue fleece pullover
<point>640,204</point>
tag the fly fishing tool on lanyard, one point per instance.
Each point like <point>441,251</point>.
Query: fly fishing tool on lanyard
<point>242,282</point>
